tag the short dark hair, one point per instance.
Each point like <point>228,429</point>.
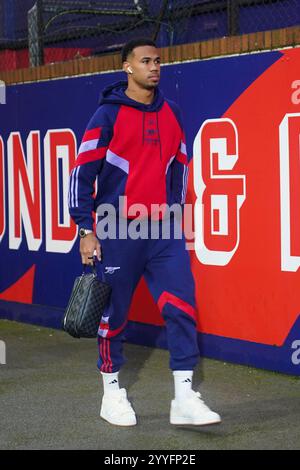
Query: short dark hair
<point>130,45</point>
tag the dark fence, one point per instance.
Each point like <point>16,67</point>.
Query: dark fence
<point>33,32</point>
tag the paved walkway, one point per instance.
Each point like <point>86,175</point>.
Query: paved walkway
<point>50,397</point>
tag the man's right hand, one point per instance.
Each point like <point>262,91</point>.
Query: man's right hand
<point>88,245</point>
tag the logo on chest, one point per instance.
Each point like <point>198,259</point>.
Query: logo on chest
<point>150,132</point>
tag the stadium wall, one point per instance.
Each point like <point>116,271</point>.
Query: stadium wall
<point>242,119</point>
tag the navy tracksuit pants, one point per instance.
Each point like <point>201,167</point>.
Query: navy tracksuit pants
<point>165,264</point>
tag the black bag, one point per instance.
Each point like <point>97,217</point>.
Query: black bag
<point>86,306</point>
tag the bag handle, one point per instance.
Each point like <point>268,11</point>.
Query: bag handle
<point>93,267</point>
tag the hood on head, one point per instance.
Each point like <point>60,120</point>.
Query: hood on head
<point>115,94</point>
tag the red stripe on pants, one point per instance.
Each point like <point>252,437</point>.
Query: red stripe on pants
<point>167,297</point>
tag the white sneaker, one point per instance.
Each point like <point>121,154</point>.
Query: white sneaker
<point>116,409</point>
<point>192,410</point>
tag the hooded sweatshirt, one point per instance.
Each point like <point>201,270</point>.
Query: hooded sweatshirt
<point>133,150</point>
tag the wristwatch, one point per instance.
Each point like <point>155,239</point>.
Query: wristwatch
<point>83,232</point>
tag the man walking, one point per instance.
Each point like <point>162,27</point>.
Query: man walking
<point>134,147</point>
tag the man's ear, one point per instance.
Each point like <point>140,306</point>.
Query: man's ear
<point>127,68</point>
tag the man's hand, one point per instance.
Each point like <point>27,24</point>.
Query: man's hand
<point>88,245</point>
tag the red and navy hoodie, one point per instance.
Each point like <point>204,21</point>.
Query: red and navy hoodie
<point>130,149</point>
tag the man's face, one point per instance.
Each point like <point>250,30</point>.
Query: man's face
<point>144,61</point>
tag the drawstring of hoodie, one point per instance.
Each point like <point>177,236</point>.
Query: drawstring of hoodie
<point>157,127</point>
<point>143,132</point>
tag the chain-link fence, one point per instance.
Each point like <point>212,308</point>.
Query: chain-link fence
<point>34,32</point>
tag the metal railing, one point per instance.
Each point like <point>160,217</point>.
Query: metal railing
<point>34,32</point>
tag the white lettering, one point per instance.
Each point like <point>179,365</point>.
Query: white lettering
<point>220,192</point>
<point>289,154</point>
<point>59,146</point>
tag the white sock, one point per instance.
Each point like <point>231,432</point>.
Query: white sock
<point>110,382</point>
<point>183,383</point>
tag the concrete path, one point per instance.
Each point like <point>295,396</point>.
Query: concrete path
<point>50,399</point>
